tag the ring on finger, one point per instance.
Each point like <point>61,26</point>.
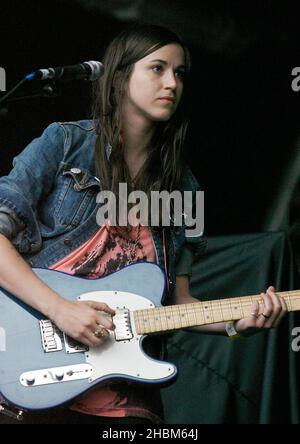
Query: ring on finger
<point>265,316</point>
<point>100,333</point>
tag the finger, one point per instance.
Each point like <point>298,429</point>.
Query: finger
<point>267,310</point>
<point>105,322</point>
<point>97,337</point>
<point>101,332</point>
<point>284,310</point>
<point>254,313</point>
<point>268,304</point>
<point>88,339</point>
<point>277,307</point>
<point>101,306</point>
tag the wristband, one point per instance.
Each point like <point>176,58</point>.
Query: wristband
<point>231,331</point>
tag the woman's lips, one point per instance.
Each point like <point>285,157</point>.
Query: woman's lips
<point>167,99</point>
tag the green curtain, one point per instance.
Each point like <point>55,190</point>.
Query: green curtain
<point>247,381</point>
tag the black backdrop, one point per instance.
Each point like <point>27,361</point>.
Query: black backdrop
<point>244,114</point>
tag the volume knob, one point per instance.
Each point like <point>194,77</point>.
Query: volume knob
<point>30,378</point>
<point>59,374</point>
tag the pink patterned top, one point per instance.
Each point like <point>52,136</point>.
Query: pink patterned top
<point>109,250</point>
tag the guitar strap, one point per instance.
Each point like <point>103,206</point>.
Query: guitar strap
<point>162,347</point>
<point>166,260</point>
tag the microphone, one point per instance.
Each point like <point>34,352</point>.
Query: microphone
<point>90,70</point>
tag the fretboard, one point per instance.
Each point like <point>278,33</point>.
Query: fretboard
<point>175,317</point>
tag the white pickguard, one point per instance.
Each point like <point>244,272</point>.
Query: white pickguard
<point>124,358</point>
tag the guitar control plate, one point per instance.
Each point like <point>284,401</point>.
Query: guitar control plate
<point>56,375</point>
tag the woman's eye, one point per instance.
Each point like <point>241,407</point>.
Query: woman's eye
<point>157,68</point>
<point>180,74</point>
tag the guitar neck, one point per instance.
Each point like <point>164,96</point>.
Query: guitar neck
<point>175,317</point>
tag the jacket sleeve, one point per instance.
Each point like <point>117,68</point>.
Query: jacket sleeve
<point>31,178</point>
<point>185,262</point>
<point>10,224</point>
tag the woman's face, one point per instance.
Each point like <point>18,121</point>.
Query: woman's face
<point>155,85</point>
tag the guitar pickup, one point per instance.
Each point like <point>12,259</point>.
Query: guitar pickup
<point>73,346</point>
<point>123,330</point>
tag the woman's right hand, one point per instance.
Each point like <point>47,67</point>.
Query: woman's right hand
<point>83,320</point>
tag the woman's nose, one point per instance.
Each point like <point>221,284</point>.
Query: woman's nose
<point>170,80</point>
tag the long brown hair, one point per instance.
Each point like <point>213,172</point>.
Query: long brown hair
<point>163,168</point>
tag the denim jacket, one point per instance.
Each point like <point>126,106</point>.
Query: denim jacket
<point>52,191</point>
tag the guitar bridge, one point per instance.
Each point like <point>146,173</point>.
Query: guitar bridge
<point>123,330</point>
<point>50,335</point>
<point>51,339</point>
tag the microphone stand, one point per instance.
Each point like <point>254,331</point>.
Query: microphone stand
<point>46,91</point>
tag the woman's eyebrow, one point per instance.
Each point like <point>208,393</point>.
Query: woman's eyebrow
<point>164,62</point>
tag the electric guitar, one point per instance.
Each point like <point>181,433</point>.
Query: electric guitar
<point>41,367</point>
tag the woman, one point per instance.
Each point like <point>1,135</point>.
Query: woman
<point>48,207</point>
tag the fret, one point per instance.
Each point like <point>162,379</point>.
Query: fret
<point>198,314</point>
<point>247,307</point>
<point>194,315</point>
<point>171,323</point>
<point>260,303</point>
<point>225,310</point>
<point>163,317</point>
<point>288,301</point>
<point>141,320</point>
<point>230,308</point>
<point>146,321</point>
<point>178,316</point>
<point>212,315</point>
<point>191,317</point>
<point>235,309</point>
<point>241,308</point>
<point>207,314</point>
<point>184,316</point>
<point>201,306</point>
<point>254,299</point>
<point>188,315</point>
<point>287,298</point>
<point>153,319</point>
<point>137,323</point>
<point>159,319</point>
<point>217,313</point>
<point>191,311</point>
<point>221,311</point>
<point>295,301</point>
<point>170,318</point>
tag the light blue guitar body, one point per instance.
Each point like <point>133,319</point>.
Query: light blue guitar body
<point>36,374</point>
